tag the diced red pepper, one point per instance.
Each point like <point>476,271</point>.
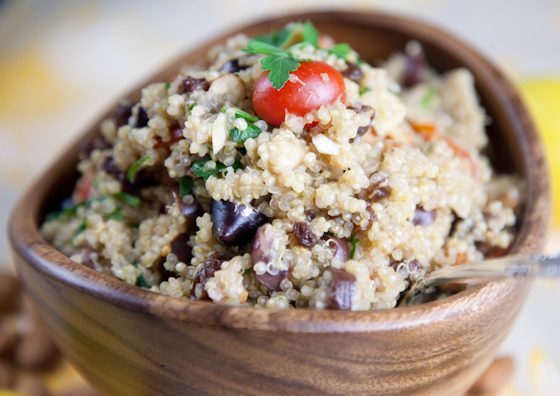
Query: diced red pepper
<point>83,189</point>
<point>429,132</point>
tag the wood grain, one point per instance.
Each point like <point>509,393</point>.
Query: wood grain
<point>128,341</point>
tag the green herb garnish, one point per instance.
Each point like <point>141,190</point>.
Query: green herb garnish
<point>310,34</point>
<point>185,186</point>
<point>247,271</point>
<point>140,281</point>
<point>239,137</point>
<point>136,167</point>
<point>81,228</point>
<point>428,99</point>
<point>117,215</point>
<point>341,50</point>
<point>192,106</point>
<point>364,90</point>
<point>200,171</point>
<point>167,85</point>
<point>95,183</point>
<point>64,214</point>
<point>243,114</point>
<point>354,241</point>
<point>128,199</point>
<point>280,61</point>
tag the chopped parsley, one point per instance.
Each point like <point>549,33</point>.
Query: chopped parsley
<point>354,241</point>
<point>68,213</point>
<point>199,168</point>
<point>310,34</point>
<point>192,106</point>
<point>135,167</point>
<point>364,90</point>
<point>185,186</point>
<point>239,137</point>
<point>167,85</point>
<point>140,281</point>
<point>243,114</point>
<point>428,99</point>
<point>341,50</point>
<point>117,215</point>
<point>81,228</point>
<point>128,199</point>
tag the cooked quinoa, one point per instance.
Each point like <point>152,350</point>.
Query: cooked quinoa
<point>342,207</point>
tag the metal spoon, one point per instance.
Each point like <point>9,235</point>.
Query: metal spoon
<point>484,271</point>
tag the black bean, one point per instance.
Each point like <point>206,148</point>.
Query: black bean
<point>164,273</point>
<point>340,289</point>
<point>181,249</point>
<point>122,114</point>
<point>191,211</point>
<point>423,218</point>
<point>341,247</point>
<point>95,143</point>
<point>367,110</point>
<point>211,265</point>
<point>232,66</point>
<point>304,235</point>
<point>190,84</point>
<point>142,118</point>
<point>234,223</point>
<point>415,69</point>
<point>353,73</point>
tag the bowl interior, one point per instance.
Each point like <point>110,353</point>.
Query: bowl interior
<point>515,147</point>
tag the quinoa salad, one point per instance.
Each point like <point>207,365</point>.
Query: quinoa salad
<point>290,173</point>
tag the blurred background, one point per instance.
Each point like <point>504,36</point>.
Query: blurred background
<point>63,62</point>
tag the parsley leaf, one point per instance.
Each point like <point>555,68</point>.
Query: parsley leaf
<point>238,136</point>
<point>185,185</point>
<point>280,67</point>
<point>243,114</point>
<point>167,85</point>
<point>428,99</point>
<point>310,34</point>
<point>364,90</point>
<point>200,171</point>
<point>81,228</point>
<point>341,50</point>
<point>135,167</point>
<point>140,281</point>
<point>280,61</point>
<point>354,241</point>
<point>128,199</point>
<point>259,47</point>
<point>117,215</point>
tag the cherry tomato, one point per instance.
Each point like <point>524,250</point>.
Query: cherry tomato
<point>318,83</point>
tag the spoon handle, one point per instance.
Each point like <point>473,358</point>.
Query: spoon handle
<point>504,267</point>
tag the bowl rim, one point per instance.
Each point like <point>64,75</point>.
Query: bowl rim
<point>28,245</point>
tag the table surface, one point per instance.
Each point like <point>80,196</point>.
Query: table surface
<point>62,63</point>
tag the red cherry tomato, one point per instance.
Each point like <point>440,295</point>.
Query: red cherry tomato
<point>320,84</point>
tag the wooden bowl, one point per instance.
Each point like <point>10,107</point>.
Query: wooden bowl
<point>128,341</point>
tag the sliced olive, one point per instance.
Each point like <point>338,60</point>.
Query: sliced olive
<point>423,218</point>
<point>340,246</point>
<point>341,287</point>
